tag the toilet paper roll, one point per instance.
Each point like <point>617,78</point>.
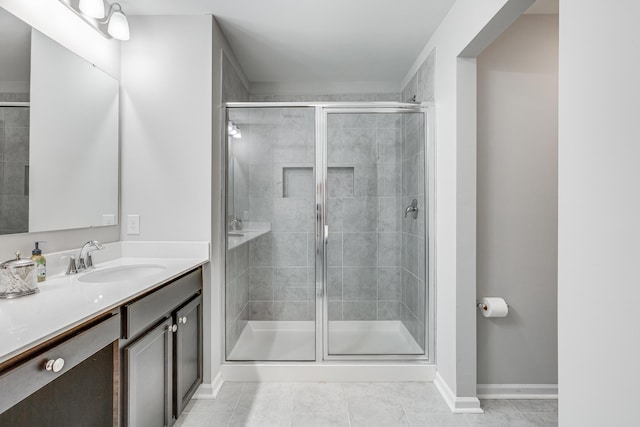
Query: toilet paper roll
<point>494,307</point>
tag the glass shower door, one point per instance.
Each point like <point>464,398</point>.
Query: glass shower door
<point>376,288</point>
<point>270,258</point>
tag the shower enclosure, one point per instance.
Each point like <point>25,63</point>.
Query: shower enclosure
<point>327,232</point>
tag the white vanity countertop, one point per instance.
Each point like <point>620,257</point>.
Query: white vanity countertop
<point>64,302</point>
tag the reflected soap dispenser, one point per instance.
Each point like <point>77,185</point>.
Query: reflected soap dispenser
<point>41,262</point>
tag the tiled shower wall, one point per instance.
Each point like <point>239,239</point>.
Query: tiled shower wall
<point>413,230</point>
<point>14,165</point>
<point>375,265</point>
<point>364,216</point>
<point>281,154</point>
<point>422,86</point>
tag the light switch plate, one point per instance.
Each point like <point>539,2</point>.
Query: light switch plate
<point>133,224</point>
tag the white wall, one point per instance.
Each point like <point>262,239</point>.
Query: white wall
<point>518,202</point>
<point>220,49</point>
<point>172,162</point>
<point>15,47</point>
<point>599,211</point>
<point>166,127</point>
<point>56,21</point>
<point>463,26</point>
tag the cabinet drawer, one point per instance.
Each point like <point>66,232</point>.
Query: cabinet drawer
<point>32,375</point>
<point>145,312</point>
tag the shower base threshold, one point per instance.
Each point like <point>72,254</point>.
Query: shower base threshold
<point>295,340</point>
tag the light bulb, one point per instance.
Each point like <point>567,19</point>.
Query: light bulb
<point>92,8</point>
<point>118,25</point>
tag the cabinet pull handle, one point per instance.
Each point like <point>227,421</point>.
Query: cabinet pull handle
<point>54,365</point>
<point>172,328</point>
<point>182,319</point>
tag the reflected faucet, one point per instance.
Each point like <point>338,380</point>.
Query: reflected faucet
<point>85,261</point>
<point>235,225</point>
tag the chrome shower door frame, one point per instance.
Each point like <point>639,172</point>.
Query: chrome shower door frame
<point>322,231</point>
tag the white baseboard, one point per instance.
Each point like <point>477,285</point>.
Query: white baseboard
<point>327,372</point>
<point>517,391</point>
<point>458,405</point>
<point>209,391</point>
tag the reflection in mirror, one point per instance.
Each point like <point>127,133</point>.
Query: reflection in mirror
<point>64,161</point>
<point>15,58</point>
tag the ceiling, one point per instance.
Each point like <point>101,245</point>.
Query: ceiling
<point>304,41</point>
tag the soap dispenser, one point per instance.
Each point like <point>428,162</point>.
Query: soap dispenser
<point>41,262</point>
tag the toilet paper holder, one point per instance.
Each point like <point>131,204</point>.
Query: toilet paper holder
<point>484,306</point>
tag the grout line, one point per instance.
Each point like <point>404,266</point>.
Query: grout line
<point>404,411</point>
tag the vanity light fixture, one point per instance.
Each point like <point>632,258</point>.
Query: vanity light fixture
<point>118,26</point>
<point>92,8</point>
<point>110,24</point>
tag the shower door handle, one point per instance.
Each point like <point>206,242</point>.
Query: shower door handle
<point>320,282</point>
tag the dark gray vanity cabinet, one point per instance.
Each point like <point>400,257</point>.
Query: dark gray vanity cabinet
<point>68,381</point>
<point>188,353</point>
<point>162,352</point>
<point>149,381</point>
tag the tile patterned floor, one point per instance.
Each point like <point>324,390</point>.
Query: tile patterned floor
<point>413,404</point>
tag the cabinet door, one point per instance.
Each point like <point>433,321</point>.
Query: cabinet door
<point>148,363</point>
<point>188,364</point>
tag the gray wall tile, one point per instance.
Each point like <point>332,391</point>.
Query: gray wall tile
<point>290,249</point>
<point>390,214</point>
<point>359,310</point>
<point>366,180</point>
<point>389,144</point>
<point>360,249</point>
<point>291,215</point>
<point>390,283</point>
<point>260,251</point>
<point>261,310</point>
<point>360,214</point>
<point>359,146</point>
<point>340,181</point>
<point>261,283</point>
<point>334,249</point>
<point>389,249</point>
<point>389,310</point>
<point>260,181</point>
<point>335,214</point>
<point>285,310</point>
<point>360,284</point>
<point>334,284</point>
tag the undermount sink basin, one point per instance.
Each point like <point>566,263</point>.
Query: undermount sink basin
<point>121,273</point>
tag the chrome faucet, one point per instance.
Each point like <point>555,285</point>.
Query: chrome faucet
<point>412,209</point>
<point>85,261</point>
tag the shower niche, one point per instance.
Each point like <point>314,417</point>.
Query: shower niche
<point>342,273</point>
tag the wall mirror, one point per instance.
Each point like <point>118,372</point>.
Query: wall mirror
<point>58,135</point>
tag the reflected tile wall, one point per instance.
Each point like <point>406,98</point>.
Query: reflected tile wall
<point>14,166</point>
